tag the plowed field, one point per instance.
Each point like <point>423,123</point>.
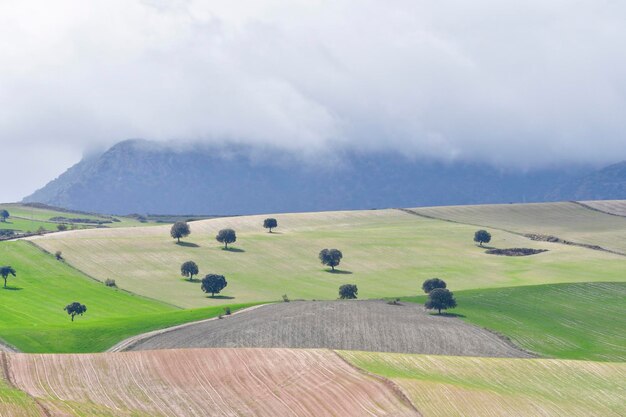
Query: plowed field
<point>352,325</point>
<point>202,383</point>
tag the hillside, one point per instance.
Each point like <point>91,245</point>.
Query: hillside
<point>144,177</point>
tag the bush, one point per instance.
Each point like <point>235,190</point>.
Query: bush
<point>227,311</point>
<point>285,298</point>
<point>110,282</point>
<point>58,255</point>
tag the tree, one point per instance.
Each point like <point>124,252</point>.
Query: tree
<point>330,257</point>
<point>62,227</point>
<point>5,271</point>
<point>226,236</point>
<point>180,229</point>
<point>213,284</point>
<point>432,283</point>
<point>75,309</point>
<point>348,291</point>
<point>4,215</point>
<point>189,269</point>
<point>440,299</point>
<point>482,236</point>
<point>270,223</point>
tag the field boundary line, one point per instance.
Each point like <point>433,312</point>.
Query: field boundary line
<point>133,341</point>
<point>588,207</point>
<point>537,237</point>
<point>7,378</point>
<point>91,277</point>
<point>395,388</point>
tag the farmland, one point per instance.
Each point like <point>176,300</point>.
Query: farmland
<point>387,253</point>
<point>575,321</point>
<point>211,382</point>
<point>446,386</point>
<point>32,313</point>
<point>352,325</point>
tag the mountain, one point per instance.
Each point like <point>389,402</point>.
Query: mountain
<point>138,176</point>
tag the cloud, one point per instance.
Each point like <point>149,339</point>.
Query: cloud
<point>522,84</point>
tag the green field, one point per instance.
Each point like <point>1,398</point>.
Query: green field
<point>386,253</point>
<point>30,219</point>
<point>568,221</point>
<point>445,386</point>
<point>567,321</point>
<point>32,313</point>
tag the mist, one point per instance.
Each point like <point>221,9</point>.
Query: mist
<point>516,85</point>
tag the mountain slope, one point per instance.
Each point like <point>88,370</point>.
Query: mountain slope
<point>141,176</point>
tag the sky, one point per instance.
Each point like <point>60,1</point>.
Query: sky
<point>515,84</point>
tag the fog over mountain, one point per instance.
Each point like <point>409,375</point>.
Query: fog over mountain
<point>534,85</point>
<point>138,176</point>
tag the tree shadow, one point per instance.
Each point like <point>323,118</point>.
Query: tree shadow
<point>11,288</point>
<point>188,244</point>
<point>236,250</point>
<point>275,233</point>
<point>444,314</point>
<point>338,271</point>
<point>485,246</point>
<point>221,297</point>
<point>191,280</point>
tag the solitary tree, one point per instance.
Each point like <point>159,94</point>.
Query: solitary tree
<point>180,229</point>
<point>189,269</point>
<point>432,283</point>
<point>5,271</point>
<point>482,236</point>
<point>330,257</point>
<point>213,284</point>
<point>348,291</point>
<point>75,309</point>
<point>270,224</point>
<point>4,215</point>
<point>226,236</point>
<point>62,227</point>
<point>440,299</point>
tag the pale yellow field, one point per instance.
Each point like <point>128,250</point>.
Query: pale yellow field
<point>445,386</point>
<point>617,207</point>
<point>568,221</point>
<point>386,253</point>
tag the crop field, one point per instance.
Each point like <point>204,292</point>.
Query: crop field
<point>443,386</point>
<point>352,325</point>
<point>616,207</point>
<point>207,382</point>
<point>568,221</point>
<point>387,253</point>
<point>32,313</point>
<point>30,219</point>
<point>568,321</point>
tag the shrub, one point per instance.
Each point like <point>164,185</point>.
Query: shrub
<point>110,282</point>
<point>58,255</point>
<point>227,311</point>
<point>285,298</point>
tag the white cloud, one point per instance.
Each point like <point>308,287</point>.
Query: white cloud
<point>515,83</point>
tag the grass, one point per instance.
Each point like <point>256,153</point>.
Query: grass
<point>386,253</point>
<point>569,221</point>
<point>449,386</point>
<point>16,403</point>
<point>25,218</point>
<point>32,313</point>
<point>567,321</point>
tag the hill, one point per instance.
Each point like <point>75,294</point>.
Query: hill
<point>138,176</point>
<point>387,253</point>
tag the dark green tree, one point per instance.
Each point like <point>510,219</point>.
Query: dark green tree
<point>270,223</point>
<point>482,236</point>
<point>440,299</point>
<point>348,291</point>
<point>189,269</point>
<point>4,215</point>
<point>432,283</point>
<point>62,227</point>
<point>180,229</point>
<point>5,271</point>
<point>75,309</point>
<point>226,236</point>
<point>331,257</point>
<point>213,284</point>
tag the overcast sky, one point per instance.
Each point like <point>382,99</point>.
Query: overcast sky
<point>517,83</point>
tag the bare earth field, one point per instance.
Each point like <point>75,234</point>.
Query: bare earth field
<point>350,325</point>
<point>201,383</point>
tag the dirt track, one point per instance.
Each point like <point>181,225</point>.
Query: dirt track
<point>203,383</point>
<point>347,325</point>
